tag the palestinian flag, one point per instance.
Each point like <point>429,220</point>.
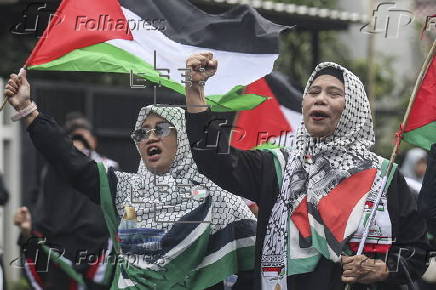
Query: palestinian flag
<point>275,121</point>
<point>153,39</point>
<point>202,248</point>
<point>420,127</point>
<point>317,228</point>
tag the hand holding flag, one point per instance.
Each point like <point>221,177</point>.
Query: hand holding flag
<point>17,90</point>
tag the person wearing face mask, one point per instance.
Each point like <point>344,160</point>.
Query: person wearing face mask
<point>427,208</point>
<point>171,227</point>
<point>315,197</point>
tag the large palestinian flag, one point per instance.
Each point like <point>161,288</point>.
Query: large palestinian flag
<point>153,39</point>
<point>420,128</point>
<point>275,121</point>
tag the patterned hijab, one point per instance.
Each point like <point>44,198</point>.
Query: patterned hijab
<point>159,200</point>
<point>185,224</point>
<point>334,158</point>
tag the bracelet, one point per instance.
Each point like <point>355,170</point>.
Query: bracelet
<point>25,112</point>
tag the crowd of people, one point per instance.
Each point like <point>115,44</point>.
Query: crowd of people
<point>182,221</point>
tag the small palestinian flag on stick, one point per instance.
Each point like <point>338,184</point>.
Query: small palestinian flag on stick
<point>153,39</point>
<point>420,119</point>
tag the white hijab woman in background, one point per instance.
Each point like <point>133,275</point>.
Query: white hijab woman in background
<point>414,167</point>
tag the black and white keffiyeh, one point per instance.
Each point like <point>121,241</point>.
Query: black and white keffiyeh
<point>160,201</point>
<point>178,229</point>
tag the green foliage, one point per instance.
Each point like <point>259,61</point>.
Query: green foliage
<point>296,53</point>
<point>384,74</point>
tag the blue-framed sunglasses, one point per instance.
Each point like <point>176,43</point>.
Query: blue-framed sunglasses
<point>160,130</point>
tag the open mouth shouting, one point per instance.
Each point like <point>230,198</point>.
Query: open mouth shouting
<point>318,115</point>
<point>153,153</point>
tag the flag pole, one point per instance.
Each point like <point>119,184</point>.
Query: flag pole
<point>398,137</point>
<point>4,103</point>
<point>398,141</point>
<point>412,100</point>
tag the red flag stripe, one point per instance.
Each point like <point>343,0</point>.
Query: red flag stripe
<point>77,24</point>
<point>370,248</point>
<point>347,194</point>
<point>263,122</point>
<point>300,219</point>
<point>423,110</point>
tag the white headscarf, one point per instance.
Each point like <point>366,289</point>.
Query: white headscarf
<point>409,165</point>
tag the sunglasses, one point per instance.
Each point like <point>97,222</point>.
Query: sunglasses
<point>161,130</point>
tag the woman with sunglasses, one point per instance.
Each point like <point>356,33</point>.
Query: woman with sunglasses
<point>171,227</point>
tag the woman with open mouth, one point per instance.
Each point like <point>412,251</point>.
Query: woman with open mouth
<point>315,198</point>
<point>171,227</point>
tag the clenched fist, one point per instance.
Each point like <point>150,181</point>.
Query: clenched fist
<point>202,66</point>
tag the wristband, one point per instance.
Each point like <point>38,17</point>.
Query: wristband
<point>25,112</point>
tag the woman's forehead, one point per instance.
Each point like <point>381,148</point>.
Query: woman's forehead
<point>328,81</point>
<point>153,119</point>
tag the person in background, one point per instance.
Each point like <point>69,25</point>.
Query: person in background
<point>4,198</point>
<point>414,167</point>
<point>81,131</point>
<point>70,223</point>
<point>427,208</point>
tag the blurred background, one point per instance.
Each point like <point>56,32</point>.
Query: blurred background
<point>384,43</point>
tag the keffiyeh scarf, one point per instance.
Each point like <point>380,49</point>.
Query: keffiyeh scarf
<point>184,222</point>
<point>328,184</point>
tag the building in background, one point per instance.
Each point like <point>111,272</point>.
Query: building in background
<point>10,165</point>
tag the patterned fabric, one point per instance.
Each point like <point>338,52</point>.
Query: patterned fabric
<point>167,197</point>
<point>188,231</point>
<point>307,182</point>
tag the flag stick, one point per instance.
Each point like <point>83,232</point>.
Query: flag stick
<point>4,104</point>
<point>6,98</point>
<point>395,151</point>
<point>412,100</point>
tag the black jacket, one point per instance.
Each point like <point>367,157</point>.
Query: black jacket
<point>251,174</point>
<point>82,172</point>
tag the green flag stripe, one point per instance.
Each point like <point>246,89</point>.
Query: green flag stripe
<point>240,260</point>
<point>104,57</point>
<point>63,264</point>
<point>111,217</point>
<point>320,243</point>
<point>182,268</point>
<point>423,137</point>
<point>304,265</point>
